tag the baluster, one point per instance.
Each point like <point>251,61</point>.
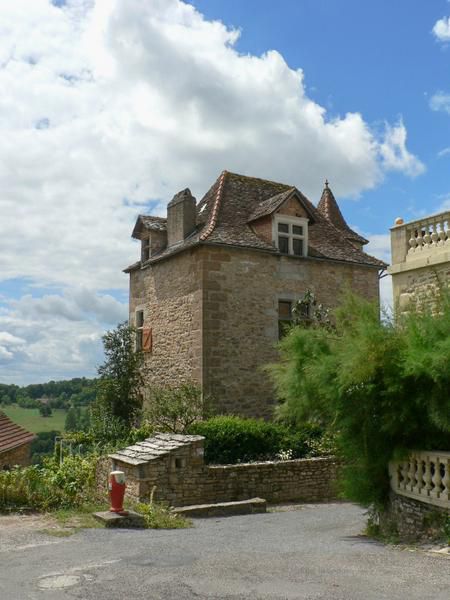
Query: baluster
<point>412,474</point>
<point>427,237</point>
<point>437,478</point>
<point>442,233</point>
<point>447,233</point>
<point>434,235</point>
<point>412,243</point>
<point>445,494</point>
<point>404,472</point>
<point>419,239</point>
<point>427,477</point>
<point>419,477</point>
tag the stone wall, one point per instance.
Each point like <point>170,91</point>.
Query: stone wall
<point>240,318</point>
<point>169,292</point>
<point>412,520</point>
<point>213,312</point>
<point>17,456</point>
<point>420,288</point>
<point>304,480</point>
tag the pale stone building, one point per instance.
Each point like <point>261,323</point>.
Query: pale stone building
<point>420,260</point>
<point>215,279</point>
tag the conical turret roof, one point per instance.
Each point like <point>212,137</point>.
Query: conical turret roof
<point>328,208</point>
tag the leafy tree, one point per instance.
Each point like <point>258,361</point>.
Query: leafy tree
<point>176,408</point>
<point>120,375</point>
<point>381,388</point>
<point>45,410</point>
<point>71,423</point>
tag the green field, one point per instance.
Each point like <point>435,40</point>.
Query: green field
<point>30,419</point>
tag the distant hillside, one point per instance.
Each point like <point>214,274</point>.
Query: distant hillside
<point>79,391</point>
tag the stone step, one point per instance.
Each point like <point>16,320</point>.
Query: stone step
<point>223,509</point>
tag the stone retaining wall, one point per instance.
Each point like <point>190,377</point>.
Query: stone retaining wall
<point>305,480</point>
<point>412,520</point>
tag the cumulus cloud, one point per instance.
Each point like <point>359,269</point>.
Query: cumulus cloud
<point>55,335</point>
<point>440,102</point>
<point>395,154</point>
<point>441,29</point>
<point>109,107</point>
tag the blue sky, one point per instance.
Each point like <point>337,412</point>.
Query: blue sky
<point>110,107</point>
<point>378,58</point>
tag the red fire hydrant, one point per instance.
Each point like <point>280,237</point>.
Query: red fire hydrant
<point>116,488</point>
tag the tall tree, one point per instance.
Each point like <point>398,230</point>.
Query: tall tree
<point>120,376</point>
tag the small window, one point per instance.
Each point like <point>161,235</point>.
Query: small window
<point>284,317</point>
<point>139,329</point>
<point>283,227</point>
<point>145,254</point>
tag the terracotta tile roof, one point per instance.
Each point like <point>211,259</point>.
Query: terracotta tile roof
<point>12,435</point>
<point>329,208</point>
<point>226,210</point>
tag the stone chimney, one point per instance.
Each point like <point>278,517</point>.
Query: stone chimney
<point>181,217</point>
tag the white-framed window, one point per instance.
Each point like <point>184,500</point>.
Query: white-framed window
<point>290,235</point>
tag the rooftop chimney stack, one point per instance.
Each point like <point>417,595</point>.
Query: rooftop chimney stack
<point>181,217</point>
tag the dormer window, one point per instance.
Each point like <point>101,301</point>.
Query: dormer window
<point>290,235</point>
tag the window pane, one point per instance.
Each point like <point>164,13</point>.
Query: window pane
<point>297,246</point>
<point>283,244</point>
<point>284,309</point>
<point>297,229</point>
<point>283,227</point>
<point>139,318</point>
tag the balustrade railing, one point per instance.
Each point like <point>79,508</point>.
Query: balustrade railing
<point>428,235</point>
<point>424,476</point>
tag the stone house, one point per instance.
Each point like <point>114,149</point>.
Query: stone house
<point>420,260</point>
<point>216,279</point>
<point>15,444</point>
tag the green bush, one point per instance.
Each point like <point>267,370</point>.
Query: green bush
<point>230,440</point>
<point>382,389</point>
<point>50,485</point>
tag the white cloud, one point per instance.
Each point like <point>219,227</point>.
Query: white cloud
<point>56,335</point>
<point>108,106</point>
<point>440,102</point>
<point>441,29</point>
<point>444,152</point>
<point>395,154</point>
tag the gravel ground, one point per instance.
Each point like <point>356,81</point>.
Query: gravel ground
<point>310,553</point>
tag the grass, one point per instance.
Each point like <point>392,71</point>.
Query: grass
<point>30,419</point>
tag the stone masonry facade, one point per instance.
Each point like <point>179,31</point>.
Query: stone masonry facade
<point>181,478</point>
<point>214,317</point>
<point>17,456</point>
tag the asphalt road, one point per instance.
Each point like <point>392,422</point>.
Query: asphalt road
<point>315,552</point>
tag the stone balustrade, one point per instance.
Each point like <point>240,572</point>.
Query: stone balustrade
<point>423,476</point>
<point>428,235</point>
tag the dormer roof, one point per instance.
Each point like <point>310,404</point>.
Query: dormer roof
<point>148,223</point>
<point>269,206</point>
